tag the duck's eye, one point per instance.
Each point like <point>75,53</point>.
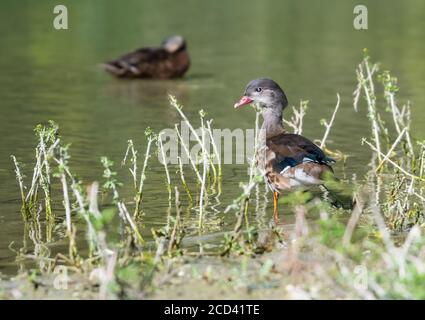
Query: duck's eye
<point>258,89</point>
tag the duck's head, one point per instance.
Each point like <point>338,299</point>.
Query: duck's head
<point>265,92</point>
<point>174,44</point>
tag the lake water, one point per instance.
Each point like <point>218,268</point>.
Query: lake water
<point>309,47</point>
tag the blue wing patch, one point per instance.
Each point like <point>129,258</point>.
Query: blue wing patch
<point>289,162</point>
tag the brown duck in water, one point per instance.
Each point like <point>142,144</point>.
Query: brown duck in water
<point>286,160</point>
<point>170,60</point>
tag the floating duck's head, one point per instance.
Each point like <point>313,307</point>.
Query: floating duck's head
<point>265,92</point>
<point>174,44</point>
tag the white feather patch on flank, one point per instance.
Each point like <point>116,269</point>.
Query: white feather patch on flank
<point>285,169</point>
<point>304,178</point>
<point>305,159</point>
<point>295,183</point>
<point>300,178</point>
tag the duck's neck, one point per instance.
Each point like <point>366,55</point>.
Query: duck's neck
<point>272,123</point>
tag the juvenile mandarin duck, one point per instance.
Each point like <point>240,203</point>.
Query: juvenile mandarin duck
<point>286,160</point>
<point>170,60</point>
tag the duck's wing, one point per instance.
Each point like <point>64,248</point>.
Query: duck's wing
<point>291,150</point>
<point>136,62</point>
<point>144,55</point>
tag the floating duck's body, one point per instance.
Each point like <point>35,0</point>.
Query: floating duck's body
<point>286,160</point>
<point>171,60</point>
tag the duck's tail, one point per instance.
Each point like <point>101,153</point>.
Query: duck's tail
<point>339,200</point>
<point>337,193</point>
<point>113,68</point>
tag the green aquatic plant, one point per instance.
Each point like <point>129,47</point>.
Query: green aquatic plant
<point>48,141</point>
<point>164,161</point>
<point>401,200</point>
<point>139,194</point>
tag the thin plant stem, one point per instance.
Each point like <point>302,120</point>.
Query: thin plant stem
<point>203,182</point>
<point>371,103</point>
<point>139,195</point>
<point>183,180</point>
<point>392,162</point>
<point>217,154</point>
<point>167,173</point>
<point>391,149</point>
<point>185,148</point>
<point>25,211</point>
<point>329,125</point>
<point>66,203</point>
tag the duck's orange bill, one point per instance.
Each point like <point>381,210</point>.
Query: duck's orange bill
<point>243,101</point>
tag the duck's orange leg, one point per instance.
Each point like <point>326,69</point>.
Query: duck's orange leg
<point>275,205</point>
